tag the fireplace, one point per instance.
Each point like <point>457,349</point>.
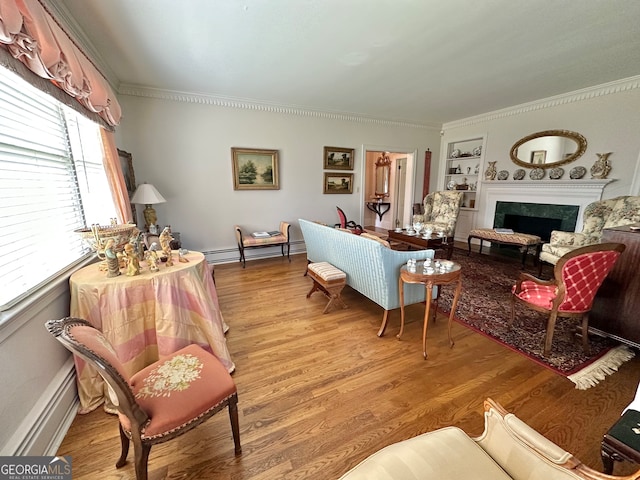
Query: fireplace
<point>536,218</point>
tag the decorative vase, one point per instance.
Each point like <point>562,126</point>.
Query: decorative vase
<point>491,171</point>
<point>602,166</point>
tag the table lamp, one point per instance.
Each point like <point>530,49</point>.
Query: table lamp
<point>148,195</point>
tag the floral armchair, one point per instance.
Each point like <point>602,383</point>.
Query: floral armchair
<point>613,212</point>
<point>441,211</point>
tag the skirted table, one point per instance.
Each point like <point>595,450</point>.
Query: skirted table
<point>147,316</point>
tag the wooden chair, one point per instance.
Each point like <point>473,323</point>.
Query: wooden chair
<point>162,401</point>
<point>348,224</point>
<point>577,278</point>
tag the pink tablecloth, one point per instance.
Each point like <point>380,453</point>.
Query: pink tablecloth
<point>147,316</point>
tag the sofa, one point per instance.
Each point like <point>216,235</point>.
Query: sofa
<point>507,449</point>
<point>372,268</point>
<point>440,211</point>
<point>597,216</point>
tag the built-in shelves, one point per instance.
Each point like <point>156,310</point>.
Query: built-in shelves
<point>463,167</point>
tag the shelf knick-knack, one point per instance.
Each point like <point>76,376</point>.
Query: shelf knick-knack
<point>491,171</point>
<point>602,166</point>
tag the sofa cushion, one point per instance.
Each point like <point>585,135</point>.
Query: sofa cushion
<point>626,211</point>
<point>375,238</point>
<point>447,453</point>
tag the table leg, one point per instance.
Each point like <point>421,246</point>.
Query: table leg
<point>453,311</point>
<point>401,292</point>
<point>429,291</point>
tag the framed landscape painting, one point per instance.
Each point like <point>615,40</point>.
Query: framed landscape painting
<point>255,169</point>
<point>338,182</point>
<point>336,158</point>
<point>126,165</point>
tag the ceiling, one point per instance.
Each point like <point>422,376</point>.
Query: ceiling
<point>426,62</point>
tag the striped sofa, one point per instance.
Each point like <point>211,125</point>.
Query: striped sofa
<point>371,268</point>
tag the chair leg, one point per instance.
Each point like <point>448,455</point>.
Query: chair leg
<point>235,426</point>
<point>142,459</point>
<point>548,338</point>
<point>124,443</point>
<point>585,334</point>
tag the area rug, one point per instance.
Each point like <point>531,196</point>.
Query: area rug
<point>485,306</point>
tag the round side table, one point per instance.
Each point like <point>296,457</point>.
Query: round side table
<point>429,280</point>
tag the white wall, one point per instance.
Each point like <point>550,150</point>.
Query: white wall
<point>184,150</point>
<point>607,116</point>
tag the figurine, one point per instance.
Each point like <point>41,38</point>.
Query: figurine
<point>602,166</point>
<point>181,255</point>
<point>165,243</point>
<point>113,265</point>
<point>151,256</point>
<point>133,263</point>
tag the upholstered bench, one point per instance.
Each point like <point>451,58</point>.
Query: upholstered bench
<point>523,240</point>
<point>248,241</point>
<point>329,280</point>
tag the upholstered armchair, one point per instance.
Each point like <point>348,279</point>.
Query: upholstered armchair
<point>441,211</point>
<point>577,277</point>
<point>613,212</point>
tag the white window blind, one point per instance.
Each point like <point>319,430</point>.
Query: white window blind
<point>52,182</point>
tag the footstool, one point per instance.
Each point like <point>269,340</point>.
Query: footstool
<point>329,280</point>
<point>523,240</point>
<point>622,441</point>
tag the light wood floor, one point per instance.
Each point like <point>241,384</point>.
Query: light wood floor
<point>318,393</point>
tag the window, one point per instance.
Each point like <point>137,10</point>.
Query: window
<point>52,182</point>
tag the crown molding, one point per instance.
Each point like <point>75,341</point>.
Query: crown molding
<point>610,88</point>
<point>246,104</point>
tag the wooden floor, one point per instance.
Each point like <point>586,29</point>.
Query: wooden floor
<point>318,393</point>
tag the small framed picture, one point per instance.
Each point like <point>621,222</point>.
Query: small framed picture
<point>337,182</point>
<point>538,157</point>
<point>336,158</point>
<point>255,169</point>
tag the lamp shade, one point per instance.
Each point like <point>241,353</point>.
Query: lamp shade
<point>147,194</point>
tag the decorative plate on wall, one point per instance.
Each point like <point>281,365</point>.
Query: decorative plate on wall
<point>503,175</point>
<point>556,173</point>
<point>577,172</point>
<point>519,174</point>
<point>536,174</point>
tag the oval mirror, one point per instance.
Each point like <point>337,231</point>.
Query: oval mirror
<point>383,170</point>
<point>548,149</point>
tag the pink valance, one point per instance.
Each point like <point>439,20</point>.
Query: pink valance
<point>33,36</point>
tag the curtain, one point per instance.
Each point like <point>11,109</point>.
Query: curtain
<point>32,35</point>
<point>115,177</point>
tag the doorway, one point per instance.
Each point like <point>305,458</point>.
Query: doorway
<point>401,187</point>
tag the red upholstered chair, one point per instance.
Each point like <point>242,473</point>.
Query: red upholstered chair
<point>162,401</point>
<point>577,278</point>
<point>348,224</point>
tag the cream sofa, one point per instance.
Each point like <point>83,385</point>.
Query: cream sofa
<point>507,449</point>
<point>613,212</point>
<point>371,267</point>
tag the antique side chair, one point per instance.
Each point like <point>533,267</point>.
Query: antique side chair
<point>350,225</point>
<point>577,278</point>
<point>162,401</point>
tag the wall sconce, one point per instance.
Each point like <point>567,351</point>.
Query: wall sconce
<point>148,195</point>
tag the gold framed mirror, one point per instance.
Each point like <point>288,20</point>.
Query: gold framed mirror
<point>383,172</point>
<point>548,149</point>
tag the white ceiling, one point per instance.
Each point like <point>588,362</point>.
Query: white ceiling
<point>421,61</point>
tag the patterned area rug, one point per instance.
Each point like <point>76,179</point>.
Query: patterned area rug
<point>485,307</point>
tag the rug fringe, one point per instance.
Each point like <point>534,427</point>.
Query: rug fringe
<point>608,364</point>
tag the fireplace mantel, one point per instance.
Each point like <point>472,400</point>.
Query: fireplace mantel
<point>553,192</point>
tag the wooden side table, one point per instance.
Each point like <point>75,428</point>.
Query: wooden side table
<point>622,441</point>
<point>429,280</point>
